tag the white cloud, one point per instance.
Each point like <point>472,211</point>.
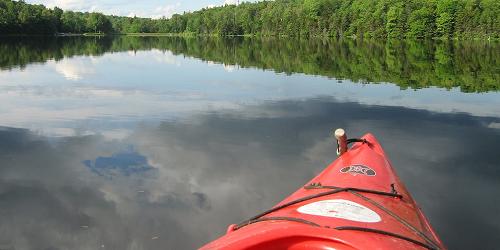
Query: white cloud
<point>64,92</point>
<point>151,9</point>
<point>81,5</point>
<point>230,68</point>
<point>106,7</point>
<point>94,8</point>
<point>74,69</point>
<point>165,11</point>
<point>159,12</point>
<point>494,125</point>
<point>116,134</point>
<point>231,2</point>
<point>166,57</point>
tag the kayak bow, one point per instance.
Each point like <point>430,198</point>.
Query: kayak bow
<point>357,202</point>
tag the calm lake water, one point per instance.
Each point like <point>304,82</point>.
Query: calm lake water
<point>161,142</point>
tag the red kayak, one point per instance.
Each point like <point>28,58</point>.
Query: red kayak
<point>357,202</point>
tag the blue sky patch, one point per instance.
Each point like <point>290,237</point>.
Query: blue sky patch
<point>125,163</point>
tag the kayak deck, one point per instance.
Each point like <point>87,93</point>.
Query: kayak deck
<point>357,202</point>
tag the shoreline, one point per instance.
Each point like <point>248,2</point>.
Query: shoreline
<point>246,35</point>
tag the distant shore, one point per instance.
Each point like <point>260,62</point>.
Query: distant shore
<point>245,35</point>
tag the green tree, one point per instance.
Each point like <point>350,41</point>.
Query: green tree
<point>399,19</point>
<point>57,14</point>
<point>395,26</point>
<point>98,23</point>
<point>445,20</point>
<point>422,23</point>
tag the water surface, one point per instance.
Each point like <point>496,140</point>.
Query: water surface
<point>161,142</point>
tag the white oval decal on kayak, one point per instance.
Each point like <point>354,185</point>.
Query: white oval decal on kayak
<point>342,209</point>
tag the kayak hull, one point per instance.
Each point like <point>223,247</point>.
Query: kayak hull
<point>357,202</point>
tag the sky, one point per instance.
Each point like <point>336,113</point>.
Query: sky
<point>144,8</point>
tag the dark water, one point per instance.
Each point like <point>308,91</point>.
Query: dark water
<point>160,143</point>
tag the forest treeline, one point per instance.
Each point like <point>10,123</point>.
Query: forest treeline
<point>470,66</point>
<point>463,19</point>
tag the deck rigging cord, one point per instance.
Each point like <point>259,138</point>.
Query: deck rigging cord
<point>309,197</point>
<point>371,230</point>
<point>393,192</point>
<point>396,217</point>
<point>304,221</point>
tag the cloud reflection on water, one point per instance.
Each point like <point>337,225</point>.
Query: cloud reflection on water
<point>222,167</point>
<point>115,91</point>
<point>75,69</point>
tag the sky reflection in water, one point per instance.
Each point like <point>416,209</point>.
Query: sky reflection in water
<point>146,150</point>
